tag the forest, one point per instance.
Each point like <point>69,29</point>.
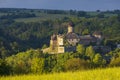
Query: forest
<point>24,32</point>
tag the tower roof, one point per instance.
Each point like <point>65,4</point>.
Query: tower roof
<point>71,24</point>
<point>53,37</point>
<point>72,36</point>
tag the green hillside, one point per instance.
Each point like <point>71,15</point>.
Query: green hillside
<point>99,74</point>
<point>24,33</point>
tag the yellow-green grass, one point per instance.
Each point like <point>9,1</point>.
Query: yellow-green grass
<point>99,74</point>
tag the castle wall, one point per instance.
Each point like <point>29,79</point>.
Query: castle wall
<point>60,40</point>
<point>61,50</point>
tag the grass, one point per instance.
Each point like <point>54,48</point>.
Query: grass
<point>99,74</point>
<point>42,17</point>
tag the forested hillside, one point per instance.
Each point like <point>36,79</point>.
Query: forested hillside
<point>22,29</point>
<point>24,32</point>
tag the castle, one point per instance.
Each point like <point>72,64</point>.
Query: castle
<point>67,43</point>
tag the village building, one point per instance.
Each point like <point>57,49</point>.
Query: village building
<point>66,43</point>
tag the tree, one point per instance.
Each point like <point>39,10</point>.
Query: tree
<point>75,64</point>
<point>100,15</point>
<point>3,52</point>
<point>37,65</point>
<point>80,49</point>
<point>98,60</point>
<point>85,32</point>
<point>118,17</point>
<point>44,46</point>
<point>5,69</point>
<point>90,52</point>
<point>60,61</point>
<point>15,47</point>
<point>97,10</point>
<point>115,62</point>
<point>81,14</point>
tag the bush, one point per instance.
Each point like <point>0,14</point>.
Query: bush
<point>115,62</point>
<point>75,64</point>
<point>4,68</point>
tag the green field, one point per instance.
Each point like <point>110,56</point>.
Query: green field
<point>41,17</point>
<point>99,74</point>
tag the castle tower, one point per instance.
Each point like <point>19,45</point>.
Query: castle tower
<point>70,27</point>
<point>53,42</point>
<point>60,43</point>
<point>60,40</point>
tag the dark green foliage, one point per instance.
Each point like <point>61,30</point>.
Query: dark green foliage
<point>75,64</point>
<point>19,15</point>
<point>81,14</point>
<point>100,15</point>
<point>5,69</point>
<point>115,61</point>
<point>98,61</point>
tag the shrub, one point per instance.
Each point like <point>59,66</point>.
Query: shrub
<point>75,64</point>
<point>115,62</point>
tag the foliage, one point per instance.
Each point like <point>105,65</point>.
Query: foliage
<point>99,61</point>
<point>37,65</point>
<point>44,46</point>
<point>5,69</point>
<point>80,49</point>
<point>115,62</point>
<point>75,64</point>
<point>90,52</point>
<point>25,62</point>
<point>19,15</point>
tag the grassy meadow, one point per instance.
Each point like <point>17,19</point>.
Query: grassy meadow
<point>98,74</point>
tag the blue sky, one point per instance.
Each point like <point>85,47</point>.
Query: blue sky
<point>87,5</point>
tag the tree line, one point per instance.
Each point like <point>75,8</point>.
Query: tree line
<point>36,62</point>
<point>18,15</point>
<point>19,36</point>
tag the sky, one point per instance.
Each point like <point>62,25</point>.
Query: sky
<point>86,5</point>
